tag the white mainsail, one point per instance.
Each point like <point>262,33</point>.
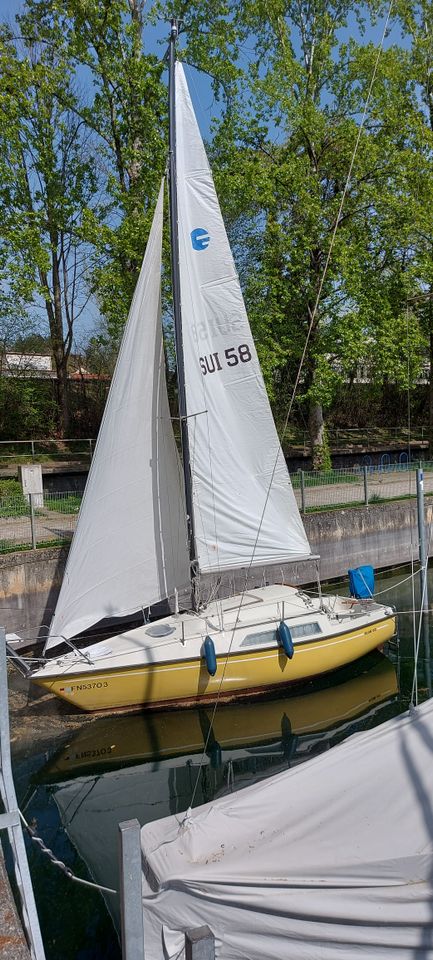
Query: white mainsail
<point>130,545</point>
<point>244,507</point>
<point>330,859</point>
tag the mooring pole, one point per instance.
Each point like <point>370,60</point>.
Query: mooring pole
<point>423,559</point>
<point>421,533</point>
<point>131,904</point>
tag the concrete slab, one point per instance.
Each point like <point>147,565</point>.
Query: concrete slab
<point>13,944</point>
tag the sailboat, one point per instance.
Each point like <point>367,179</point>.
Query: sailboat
<point>149,531</point>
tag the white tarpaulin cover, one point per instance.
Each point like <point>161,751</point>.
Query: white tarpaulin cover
<point>130,545</point>
<point>238,469</point>
<point>330,859</point>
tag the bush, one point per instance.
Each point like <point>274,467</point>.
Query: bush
<point>12,501</point>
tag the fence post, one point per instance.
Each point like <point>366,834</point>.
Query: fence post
<point>131,904</point>
<point>199,944</point>
<point>365,484</point>
<point>90,450</point>
<point>302,491</point>
<point>423,559</point>
<point>33,449</point>
<point>32,521</point>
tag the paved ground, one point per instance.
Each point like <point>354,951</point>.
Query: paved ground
<point>49,525</point>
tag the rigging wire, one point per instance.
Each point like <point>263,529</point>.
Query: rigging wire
<point>296,384</point>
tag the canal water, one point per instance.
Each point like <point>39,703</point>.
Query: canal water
<point>147,766</point>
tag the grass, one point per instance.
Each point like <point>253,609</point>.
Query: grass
<point>68,504</point>
<point>12,501</point>
<point>375,499</point>
<point>8,546</point>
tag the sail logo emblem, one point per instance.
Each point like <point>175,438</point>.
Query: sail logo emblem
<point>200,239</point>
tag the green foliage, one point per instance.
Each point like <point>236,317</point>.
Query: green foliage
<point>81,162</point>
<point>69,504</point>
<point>27,408</point>
<point>12,501</point>
<point>10,488</point>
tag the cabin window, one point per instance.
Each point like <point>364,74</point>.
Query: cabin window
<point>269,636</point>
<point>258,639</point>
<point>304,630</point>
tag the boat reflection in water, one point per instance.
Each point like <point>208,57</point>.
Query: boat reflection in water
<point>146,766</point>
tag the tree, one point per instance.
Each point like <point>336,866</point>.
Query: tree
<point>124,112</point>
<point>415,18</point>
<point>49,187</point>
<point>81,167</point>
<point>284,152</point>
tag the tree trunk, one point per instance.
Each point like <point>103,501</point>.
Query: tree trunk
<point>318,444</point>
<point>54,314</point>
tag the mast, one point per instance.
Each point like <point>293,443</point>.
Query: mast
<point>177,309</point>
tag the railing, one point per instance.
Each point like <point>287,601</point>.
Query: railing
<point>350,439</point>
<point>358,438</point>
<point>40,451</point>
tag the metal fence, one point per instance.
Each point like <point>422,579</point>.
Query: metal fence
<point>359,486</point>
<point>40,520</point>
<point>351,439</point>
<point>13,452</point>
<point>48,519</point>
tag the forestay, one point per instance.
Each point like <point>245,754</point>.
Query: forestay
<point>330,859</point>
<point>130,545</point>
<point>244,507</point>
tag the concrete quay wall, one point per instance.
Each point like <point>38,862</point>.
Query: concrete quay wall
<point>384,535</point>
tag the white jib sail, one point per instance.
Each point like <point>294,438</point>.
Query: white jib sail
<point>130,545</point>
<point>244,506</point>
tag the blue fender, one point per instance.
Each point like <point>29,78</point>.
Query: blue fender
<point>210,656</point>
<point>285,638</point>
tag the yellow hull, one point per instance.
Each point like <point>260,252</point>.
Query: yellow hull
<point>188,682</point>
